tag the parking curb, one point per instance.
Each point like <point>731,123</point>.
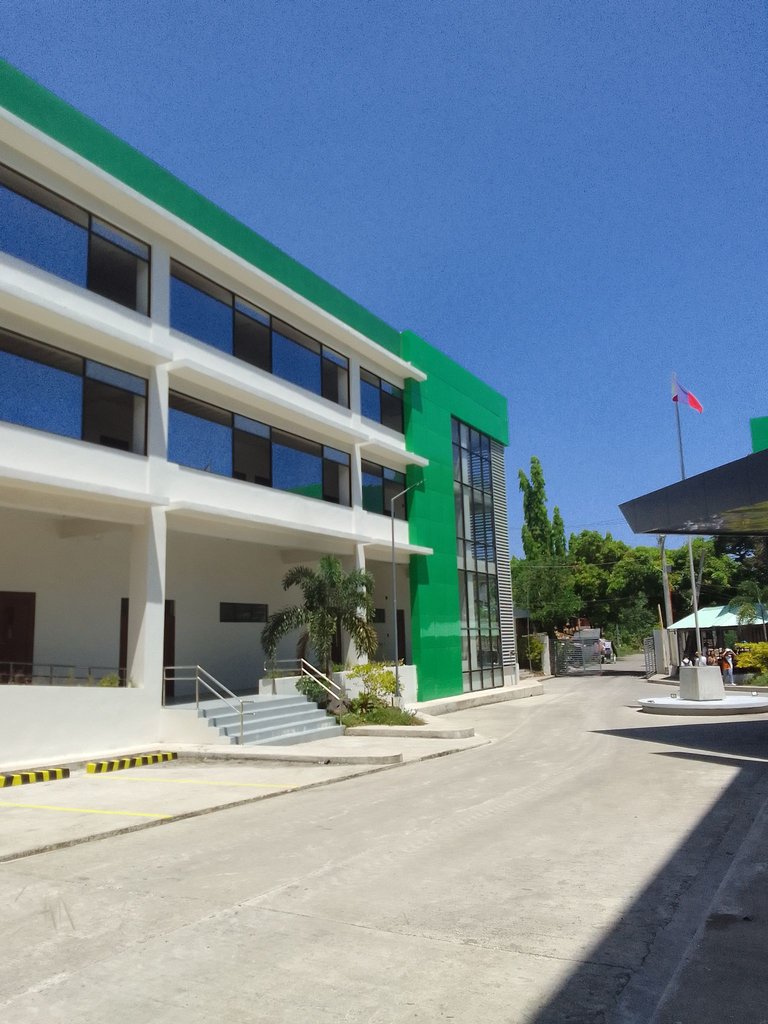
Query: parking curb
<point>39,775</point>
<point>99,767</point>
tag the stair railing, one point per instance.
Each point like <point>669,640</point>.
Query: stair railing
<point>201,677</point>
<point>331,688</point>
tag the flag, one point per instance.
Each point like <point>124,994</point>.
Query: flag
<point>680,394</point>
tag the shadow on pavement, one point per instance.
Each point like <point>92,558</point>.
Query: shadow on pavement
<point>622,979</point>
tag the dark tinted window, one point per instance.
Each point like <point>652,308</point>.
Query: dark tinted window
<point>200,308</point>
<point>251,451</point>
<point>230,611</point>
<point>199,435</point>
<point>252,340</point>
<point>295,357</point>
<point>297,465</point>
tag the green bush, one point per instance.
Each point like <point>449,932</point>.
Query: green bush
<point>313,691</point>
<point>378,686</point>
<point>113,679</point>
<point>380,716</point>
<point>531,651</point>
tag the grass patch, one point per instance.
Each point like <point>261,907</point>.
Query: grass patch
<point>380,716</point>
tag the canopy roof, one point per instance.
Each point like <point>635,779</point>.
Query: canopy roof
<point>730,499</point>
<point>724,616</point>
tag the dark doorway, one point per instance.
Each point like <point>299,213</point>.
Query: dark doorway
<point>17,634</point>
<point>400,635</point>
<point>169,643</point>
<point>336,657</point>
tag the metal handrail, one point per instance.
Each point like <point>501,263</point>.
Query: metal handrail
<point>198,679</point>
<point>314,673</point>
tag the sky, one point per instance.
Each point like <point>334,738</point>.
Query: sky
<point>567,198</point>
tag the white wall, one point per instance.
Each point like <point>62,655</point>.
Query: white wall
<point>60,724</point>
<point>382,598</point>
<point>79,571</point>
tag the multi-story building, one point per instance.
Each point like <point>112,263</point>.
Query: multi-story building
<point>185,413</point>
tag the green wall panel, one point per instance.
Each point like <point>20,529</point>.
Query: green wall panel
<point>448,391</point>
<point>758,428</point>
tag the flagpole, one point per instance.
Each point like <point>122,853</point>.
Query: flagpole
<point>691,566</point>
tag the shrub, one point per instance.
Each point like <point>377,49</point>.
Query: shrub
<point>378,686</point>
<point>531,651</point>
<point>381,716</point>
<point>313,691</point>
<point>754,656</point>
<point>113,679</point>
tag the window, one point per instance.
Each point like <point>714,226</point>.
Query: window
<point>200,308</point>
<point>49,389</point>
<point>42,228</point>
<point>230,611</point>
<point>381,401</point>
<point>476,554</point>
<point>199,435</point>
<point>205,311</point>
<point>380,485</point>
<point>202,436</point>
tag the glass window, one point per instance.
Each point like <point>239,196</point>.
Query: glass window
<point>40,386</point>
<point>297,465</point>
<point>118,267</point>
<point>230,611</point>
<point>53,236</point>
<point>48,231</point>
<point>49,389</point>
<point>252,337</point>
<point>251,451</point>
<point>295,357</point>
<point>335,383</point>
<point>336,477</point>
<point>381,401</point>
<point>199,435</point>
<point>114,408</point>
<point>373,487</point>
<point>201,308</point>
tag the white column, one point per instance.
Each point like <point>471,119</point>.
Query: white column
<point>160,284</point>
<point>157,413</point>
<point>356,473</point>
<point>146,610</point>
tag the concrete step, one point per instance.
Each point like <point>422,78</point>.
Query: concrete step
<point>255,703</point>
<point>323,732</point>
<point>301,717</point>
<point>231,719</point>
<point>295,728</point>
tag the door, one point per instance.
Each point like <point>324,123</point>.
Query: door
<point>169,642</point>
<point>17,634</point>
<point>401,635</point>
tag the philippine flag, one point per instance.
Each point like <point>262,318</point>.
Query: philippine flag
<point>680,394</point>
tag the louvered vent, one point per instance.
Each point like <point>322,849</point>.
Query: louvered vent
<point>501,524</point>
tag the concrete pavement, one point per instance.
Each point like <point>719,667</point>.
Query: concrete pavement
<point>558,874</point>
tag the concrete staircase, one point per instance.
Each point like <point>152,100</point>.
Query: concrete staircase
<point>274,721</point>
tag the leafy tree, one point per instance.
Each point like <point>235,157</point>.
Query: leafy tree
<point>332,597</point>
<point>543,578</point>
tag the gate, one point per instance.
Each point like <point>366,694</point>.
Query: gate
<point>575,657</point>
<point>649,651</point>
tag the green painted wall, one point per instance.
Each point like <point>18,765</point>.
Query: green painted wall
<point>758,428</point>
<point>448,391</point>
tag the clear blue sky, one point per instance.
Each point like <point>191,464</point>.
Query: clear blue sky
<point>568,198</point>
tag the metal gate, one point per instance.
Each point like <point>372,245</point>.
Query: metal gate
<point>575,657</point>
<point>649,651</point>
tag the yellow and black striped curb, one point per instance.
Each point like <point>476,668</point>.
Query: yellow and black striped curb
<point>97,767</point>
<point>39,775</point>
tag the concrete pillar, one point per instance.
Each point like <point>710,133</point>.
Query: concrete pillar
<point>146,610</point>
<point>160,283</point>
<point>157,414</point>
<point>356,477</point>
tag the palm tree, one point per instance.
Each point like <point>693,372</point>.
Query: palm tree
<point>333,597</point>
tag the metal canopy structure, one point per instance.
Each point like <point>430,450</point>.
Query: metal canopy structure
<point>730,499</point>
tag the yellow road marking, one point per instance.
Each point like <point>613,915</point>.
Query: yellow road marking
<point>82,810</point>
<point>201,782</point>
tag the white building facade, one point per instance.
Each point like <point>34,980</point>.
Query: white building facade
<point>180,423</point>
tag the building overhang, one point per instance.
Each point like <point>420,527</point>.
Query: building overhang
<point>730,499</point>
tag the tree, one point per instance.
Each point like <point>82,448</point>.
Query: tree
<point>333,598</point>
<point>543,578</point>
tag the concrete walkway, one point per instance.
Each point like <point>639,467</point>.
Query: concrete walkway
<point>590,865</point>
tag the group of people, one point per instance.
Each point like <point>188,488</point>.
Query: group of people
<point>723,657</point>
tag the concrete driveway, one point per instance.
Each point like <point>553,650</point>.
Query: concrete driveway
<point>562,873</point>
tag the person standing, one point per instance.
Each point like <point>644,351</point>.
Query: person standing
<point>726,666</point>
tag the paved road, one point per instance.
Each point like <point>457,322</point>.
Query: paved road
<point>555,875</point>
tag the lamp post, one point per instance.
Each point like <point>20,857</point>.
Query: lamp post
<point>419,483</point>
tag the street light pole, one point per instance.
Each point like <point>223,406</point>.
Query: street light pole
<point>419,483</point>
